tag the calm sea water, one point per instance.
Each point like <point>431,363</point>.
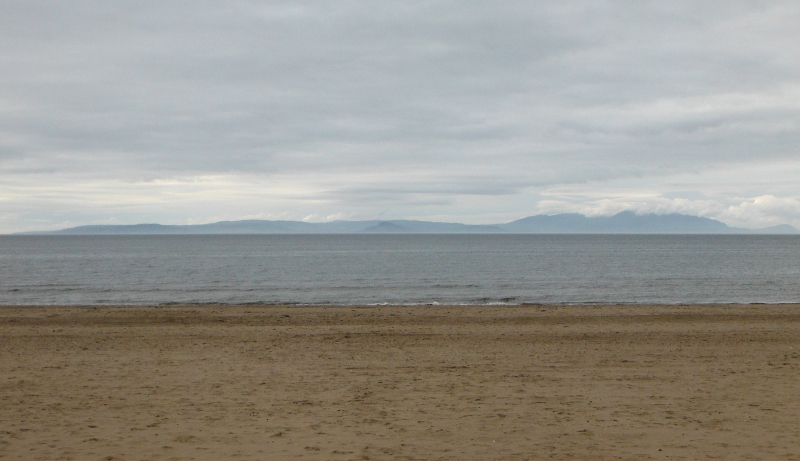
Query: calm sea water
<point>344,269</point>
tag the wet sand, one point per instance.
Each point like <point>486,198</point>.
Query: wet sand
<point>426,383</point>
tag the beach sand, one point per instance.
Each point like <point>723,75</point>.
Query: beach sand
<point>424,382</point>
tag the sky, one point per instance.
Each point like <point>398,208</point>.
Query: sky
<point>185,112</point>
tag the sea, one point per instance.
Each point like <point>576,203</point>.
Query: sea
<point>377,269</point>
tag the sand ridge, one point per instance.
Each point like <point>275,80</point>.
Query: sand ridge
<point>400,382</point>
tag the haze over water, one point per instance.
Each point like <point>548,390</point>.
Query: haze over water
<point>373,269</point>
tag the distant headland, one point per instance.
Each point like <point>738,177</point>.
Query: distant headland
<point>626,222</point>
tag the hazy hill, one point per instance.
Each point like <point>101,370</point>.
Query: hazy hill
<point>626,222</point>
<point>281,227</point>
<point>386,227</point>
<point>779,229</point>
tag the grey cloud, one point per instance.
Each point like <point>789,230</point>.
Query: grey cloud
<point>490,99</point>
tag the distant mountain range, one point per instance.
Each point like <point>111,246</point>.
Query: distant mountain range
<point>626,222</point>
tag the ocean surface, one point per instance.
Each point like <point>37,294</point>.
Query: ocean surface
<point>394,269</point>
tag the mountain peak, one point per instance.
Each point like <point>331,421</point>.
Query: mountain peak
<point>624,222</point>
<point>385,227</point>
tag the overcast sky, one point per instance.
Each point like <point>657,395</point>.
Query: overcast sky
<point>480,112</point>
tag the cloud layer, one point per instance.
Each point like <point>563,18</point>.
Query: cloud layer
<point>178,112</point>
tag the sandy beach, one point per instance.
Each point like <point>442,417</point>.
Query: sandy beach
<point>408,383</point>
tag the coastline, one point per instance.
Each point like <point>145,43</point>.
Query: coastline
<point>400,382</point>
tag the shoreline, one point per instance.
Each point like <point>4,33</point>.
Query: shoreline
<point>400,382</point>
<point>387,304</point>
